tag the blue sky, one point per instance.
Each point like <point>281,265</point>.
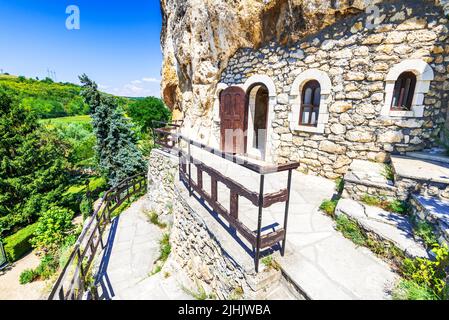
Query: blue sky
<point>117,44</point>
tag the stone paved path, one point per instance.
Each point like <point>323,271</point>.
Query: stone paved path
<point>128,261</point>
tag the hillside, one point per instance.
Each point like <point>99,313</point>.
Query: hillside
<point>47,98</point>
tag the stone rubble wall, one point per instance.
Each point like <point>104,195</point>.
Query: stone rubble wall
<point>357,190</point>
<point>162,170</point>
<point>424,188</point>
<point>442,230</point>
<point>357,61</point>
<point>194,247</point>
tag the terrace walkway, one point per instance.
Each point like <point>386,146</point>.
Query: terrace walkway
<point>323,263</point>
<point>133,247</point>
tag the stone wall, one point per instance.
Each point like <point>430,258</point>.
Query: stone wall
<point>357,61</point>
<point>425,188</point>
<point>162,170</point>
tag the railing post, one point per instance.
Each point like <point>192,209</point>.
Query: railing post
<point>199,177</point>
<point>190,168</point>
<point>80,266</point>
<point>287,204</point>
<point>259,221</point>
<point>213,189</point>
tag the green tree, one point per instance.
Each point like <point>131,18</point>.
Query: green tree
<point>118,154</point>
<point>144,111</point>
<point>32,166</point>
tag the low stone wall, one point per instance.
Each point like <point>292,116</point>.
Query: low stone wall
<point>356,190</point>
<point>162,170</point>
<point>205,252</point>
<point>425,188</point>
<point>441,229</point>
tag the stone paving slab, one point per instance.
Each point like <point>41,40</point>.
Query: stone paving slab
<point>387,225</point>
<point>417,169</point>
<point>135,248</point>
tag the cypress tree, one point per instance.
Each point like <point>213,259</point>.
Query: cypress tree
<point>116,147</point>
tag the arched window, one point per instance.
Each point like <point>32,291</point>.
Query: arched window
<point>310,104</point>
<point>404,90</point>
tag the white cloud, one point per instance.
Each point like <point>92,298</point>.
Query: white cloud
<point>139,88</point>
<point>151,80</point>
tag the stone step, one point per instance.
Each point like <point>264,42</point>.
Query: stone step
<point>431,156</point>
<point>435,211</point>
<point>367,177</point>
<point>387,226</point>
<point>419,176</point>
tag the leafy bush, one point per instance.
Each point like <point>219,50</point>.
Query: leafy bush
<point>18,244</point>
<point>350,230</point>
<point>86,207</point>
<point>329,206</point>
<point>47,267</point>
<point>430,274</point>
<point>410,290</point>
<point>27,276</point>
<point>340,185</point>
<point>424,230</point>
<point>52,229</point>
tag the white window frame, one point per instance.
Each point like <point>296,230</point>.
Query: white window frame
<point>296,98</point>
<point>424,75</point>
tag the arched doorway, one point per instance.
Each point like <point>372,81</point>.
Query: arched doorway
<point>258,101</point>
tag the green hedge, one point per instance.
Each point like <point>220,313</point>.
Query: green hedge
<point>18,244</point>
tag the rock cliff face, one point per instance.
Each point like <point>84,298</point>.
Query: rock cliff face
<point>199,37</point>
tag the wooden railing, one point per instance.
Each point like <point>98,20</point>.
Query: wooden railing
<point>73,282</point>
<point>170,139</point>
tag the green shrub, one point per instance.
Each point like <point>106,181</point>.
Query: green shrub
<point>430,273</point>
<point>18,244</point>
<point>350,230</point>
<point>86,207</point>
<point>397,206</point>
<point>47,267</point>
<point>329,206</point>
<point>165,248</point>
<point>410,290</point>
<point>27,276</point>
<point>52,229</point>
<point>154,219</point>
<point>424,230</point>
<point>388,172</point>
<point>270,263</point>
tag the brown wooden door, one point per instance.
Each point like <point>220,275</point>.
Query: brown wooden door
<point>233,120</point>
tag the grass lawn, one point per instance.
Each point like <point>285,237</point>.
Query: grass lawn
<point>67,120</point>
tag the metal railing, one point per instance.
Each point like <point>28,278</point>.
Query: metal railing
<point>73,281</point>
<point>170,139</point>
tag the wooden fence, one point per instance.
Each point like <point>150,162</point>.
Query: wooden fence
<point>75,278</point>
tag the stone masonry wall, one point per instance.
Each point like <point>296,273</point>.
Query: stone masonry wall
<point>357,61</point>
<point>162,170</point>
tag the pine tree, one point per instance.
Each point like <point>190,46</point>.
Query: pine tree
<point>32,166</point>
<point>116,147</point>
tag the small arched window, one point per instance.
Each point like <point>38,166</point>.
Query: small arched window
<point>310,104</point>
<point>404,90</point>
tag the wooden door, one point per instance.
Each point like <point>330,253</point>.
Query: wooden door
<point>233,120</point>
